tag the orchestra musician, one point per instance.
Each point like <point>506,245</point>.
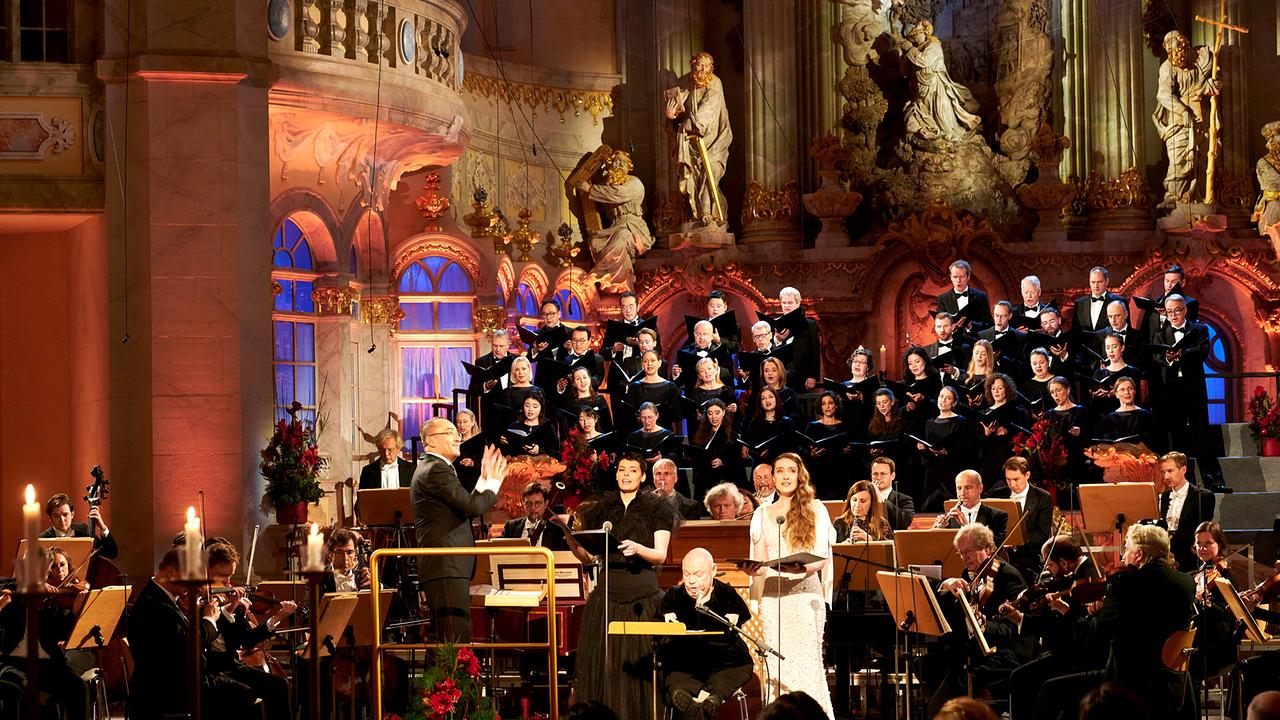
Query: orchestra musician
<point>389,470</point>
<point>534,526</point>
<point>987,583</point>
<point>664,486</point>
<point>899,508</point>
<point>725,502</point>
<point>762,482</point>
<point>1036,504</point>
<point>1183,506</point>
<point>1215,635</point>
<point>345,572</point>
<point>703,672</point>
<point>970,509</point>
<point>62,515</point>
<point>157,630</point>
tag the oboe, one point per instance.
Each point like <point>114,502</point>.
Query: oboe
<point>942,520</point>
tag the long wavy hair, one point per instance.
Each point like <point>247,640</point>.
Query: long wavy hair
<point>802,521</point>
<point>877,525</point>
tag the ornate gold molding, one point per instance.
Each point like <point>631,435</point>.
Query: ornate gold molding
<point>1129,191</point>
<point>1269,321</point>
<point>382,310</point>
<point>439,247</point>
<point>489,318</point>
<point>763,204</point>
<point>562,100</point>
<point>431,203</point>
<point>331,300</point>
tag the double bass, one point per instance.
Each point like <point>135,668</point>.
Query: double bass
<point>101,571</point>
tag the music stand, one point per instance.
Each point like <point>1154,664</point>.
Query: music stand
<point>76,549</point>
<point>655,630</point>
<point>1113,507</point>
<point>1252,629</point>
<point>485,574</point>
<point>1018,536</point>
<point>361,622</point>
<point>862,560</point>
<point>596,542</point>
<point>929,547</point>
<point>386,507</point>
<point>101,612</point>
<point>915,609</point>
<point>335,614</point>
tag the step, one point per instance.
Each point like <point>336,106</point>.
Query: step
<point>1263,540</point>
<point>1251,473</point>
<point>1248,509</point>
<point>1236,440</point>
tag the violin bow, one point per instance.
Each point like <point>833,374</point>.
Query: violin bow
<point>986,564</point>
<point>76,570</point>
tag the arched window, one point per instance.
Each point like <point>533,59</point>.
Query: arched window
<point>436,336</point>
<point>527,306</point>
<point>1217,360</point>
<point>570,306</point>
<point>293,330</point>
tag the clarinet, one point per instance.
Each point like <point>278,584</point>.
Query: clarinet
<point>942,520</point>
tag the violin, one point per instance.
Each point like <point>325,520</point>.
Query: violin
<point>1205,578</point>
<point>1265,591</point>
<point>984,583</point>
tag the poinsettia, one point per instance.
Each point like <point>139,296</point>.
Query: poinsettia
<point>450,688</point>
<point>1045,449</point>
<point>582,462</point>
<point>291,463</point>
<point>1264,416</point>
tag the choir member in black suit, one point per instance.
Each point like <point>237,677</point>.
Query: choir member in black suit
<point>943,671</point>
<point>1090,312</point>
<point>1028,313</point>
<point>828,465</point>
<point>482,394</point>
<point>1102,393</point>
<point>719,459</point>
<point>899,508</point>
<point>1036,503</point>
<point>703,672</point>
<point>961,296</point>
<point>389,470</point>
<point>1072,421</point>
<point>1128,420</point>
<point>651,438</point>
<point>997,427</point>
<point>553,337</point>
<point>702,346</point>
<point>717,305</point>
<point>664,486</point>
<point>629,305</point>
<point>945,454</point>
<point>625,370</point>
<point>947,348</point>
<point>1182,405</point>
<point>580,393</point>
<point>1061,347</point>
<point>579,352</point>
<point>1118,323</point>
<point>970,508</point>
<point>534,526</point>
<point>1155,320</point>
<point>1008,342</point>
<point>650,388</point>
<point>61,518</point>
<point>533,433</point>
<point>806,357</point>
<point>1183,506</point>
<point>768,424</point>
<point>442,512</point>
<point>519,386</point>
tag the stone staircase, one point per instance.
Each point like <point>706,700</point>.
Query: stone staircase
<point>1250,513</point>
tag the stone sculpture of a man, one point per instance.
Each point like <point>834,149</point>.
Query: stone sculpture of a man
<point>1179,118</point>
<point>700,124</point>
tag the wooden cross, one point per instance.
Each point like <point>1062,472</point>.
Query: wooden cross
<point>1214,129</point>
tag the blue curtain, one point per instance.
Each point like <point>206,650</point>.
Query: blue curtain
<point>417,379</point>
<point>452,374</point>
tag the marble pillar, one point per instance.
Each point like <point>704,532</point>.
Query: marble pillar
<point>678,26</point>
<point>822,67</point>
<point>1075,112</point>
<point>1116,99</point>
<point>189,274</point>
<point>771,213</point>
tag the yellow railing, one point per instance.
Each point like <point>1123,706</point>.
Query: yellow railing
<point>550,645</point>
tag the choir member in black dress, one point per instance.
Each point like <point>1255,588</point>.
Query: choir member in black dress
<point>580,393</point>
<point>1128,420</point>
<point>598,442</point>
<point>1036,388</point>
<point>886,426</point>
<point>533,433</point>
<point>650,388</point>
<point>625,370</point>
<point>923,383</point>
<point>969,304</point>
<point>859,404</point>
<point>769,423</point>
<point>468,462</point>
<point>828,464</point>
<point>519,386</point>
<point>1072,421</point>
<point>982,362</point>
<point>711,387</point>
<point>642,523</point>
<point>945,454</point>
<point>720,459</point>
<point>999,425</point>
<point>1103,393</point>
<point>773,374</point>
<point>651,438</point>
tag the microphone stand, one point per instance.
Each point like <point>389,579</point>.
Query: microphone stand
<point>608,528</point>
<point>782,519</point>
<point>762,649</point>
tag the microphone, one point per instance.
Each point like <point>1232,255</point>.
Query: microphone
<point>607,527</point>
<point>781,519</point>
<point>759,642</point>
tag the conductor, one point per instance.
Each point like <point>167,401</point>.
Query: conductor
<point>442,512</point>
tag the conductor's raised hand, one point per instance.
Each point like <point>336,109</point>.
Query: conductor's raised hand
<point>493,468</point>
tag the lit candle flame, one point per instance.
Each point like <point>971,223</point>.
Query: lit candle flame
<point>191,514</point>
<point>315,529</point>
<point>31,493</point>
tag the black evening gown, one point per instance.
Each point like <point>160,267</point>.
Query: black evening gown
<point>996,449</point>
<point>1100,406</point>
<point>830,471</point>
<point>665,394</point>
<point>758,430</point>
<point>941,470</point>
<point>1064,420</point>
<point>1140,422</point>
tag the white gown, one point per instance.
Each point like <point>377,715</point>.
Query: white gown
<point>801,603</point>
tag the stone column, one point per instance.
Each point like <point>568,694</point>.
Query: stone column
<point>678,31</point>
<point>821,68</point>
<point>1075,112</point>
<point>1115,96</point>
<point>771,208</point>
<point>188,233</point>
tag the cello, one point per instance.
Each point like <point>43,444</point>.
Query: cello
<point>101,571</point>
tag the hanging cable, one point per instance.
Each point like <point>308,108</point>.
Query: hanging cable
<point>373,182</point>
<point>122,177</point>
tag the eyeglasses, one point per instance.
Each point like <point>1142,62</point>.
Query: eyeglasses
<point>455,433</point>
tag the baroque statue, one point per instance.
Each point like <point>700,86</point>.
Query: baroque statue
<point>1185,81</point>
<point>699,122</point>
<point>1267,212</point>
<point>940,109</point>
<point>615,247</point>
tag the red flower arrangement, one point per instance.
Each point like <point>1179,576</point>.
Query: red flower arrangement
<point>450,688</point>
<point>1045,450</point>
<point>291,463</point>
<point>582,462</point>
<point>1264,416</point>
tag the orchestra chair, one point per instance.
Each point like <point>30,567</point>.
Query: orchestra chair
<point>1176,656</point>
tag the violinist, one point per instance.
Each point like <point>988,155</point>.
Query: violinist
<point>1215,638</point>
<point>62,515</point>
<point>236,686</point>
<point>987,583</point>
<point>157,633</point>
<point>534,526</point>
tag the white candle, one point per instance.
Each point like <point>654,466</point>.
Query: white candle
<point>193,550</point>
<point>31,566</point>
<point>882,367</point>
<point>315,550</point>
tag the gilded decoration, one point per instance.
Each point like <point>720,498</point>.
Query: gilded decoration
<point>1129,191</point>
<point>566,247</point>
<point>438,248</point>
<point>489,318</point>
<point>276,288</point>
<point>334,300</point>
<point>482,219</point>
<point>431,204</point>
<point>658,286</point>
<point>763,204</point>
<point>938,234</point>
<point>382,310</point>
<point>525,237</point>
<point>562,100</point>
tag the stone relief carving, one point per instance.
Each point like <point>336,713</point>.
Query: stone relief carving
<point>28,135</point>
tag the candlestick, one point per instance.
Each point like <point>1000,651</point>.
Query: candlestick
<point>31,565</point>
<point>193,549</point>
<point>882,367</point>
<point>315,550</point>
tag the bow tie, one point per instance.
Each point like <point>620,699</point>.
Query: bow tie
<point>1098,299</point>
<point>944,344</point>
<point>962,294</point>
<point>1001,334</point>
